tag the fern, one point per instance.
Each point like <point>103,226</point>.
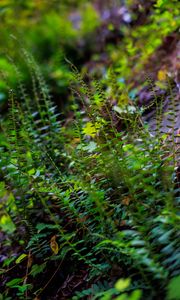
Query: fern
<point>108,197</point>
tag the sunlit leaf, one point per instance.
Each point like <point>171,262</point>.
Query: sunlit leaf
<point>20,258</point>
<point>91,129</point>
<point>122,284</point>
<point>6,224</point>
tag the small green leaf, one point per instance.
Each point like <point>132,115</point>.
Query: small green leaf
<point>8,261</point>
<point>136,295</point>
<point>24,287</point>
<point>174,289</point>
<point>31,171</point>
<point>36,269</point>
<point>122,284</point>
<point>122,297</point>
<point>14,282</point>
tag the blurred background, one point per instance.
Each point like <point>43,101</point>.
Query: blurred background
<point>135,38</point>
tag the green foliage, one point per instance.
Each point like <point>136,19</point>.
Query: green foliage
<point>98,194</point>
<point>88,198</point>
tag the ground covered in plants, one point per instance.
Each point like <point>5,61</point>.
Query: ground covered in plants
<point>89,150</point>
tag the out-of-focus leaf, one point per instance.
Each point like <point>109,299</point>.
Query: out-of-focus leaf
<point>174,289</point>
<point>162,75</point>
<point>122,284</point>
<point>20,258</point>
<point>36,269</point>
<point>14,282</point>
<point>54,245</point>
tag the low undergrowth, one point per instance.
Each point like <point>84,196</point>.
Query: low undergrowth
<point>89,204</point>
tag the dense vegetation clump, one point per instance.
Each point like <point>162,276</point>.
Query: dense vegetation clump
<point>90,193</point>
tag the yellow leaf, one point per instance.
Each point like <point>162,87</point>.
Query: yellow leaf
<point>20,258</point>
<point>76,141</point>
<point>54,245</point>
<point>162,74</point>
<point>91,129</point>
